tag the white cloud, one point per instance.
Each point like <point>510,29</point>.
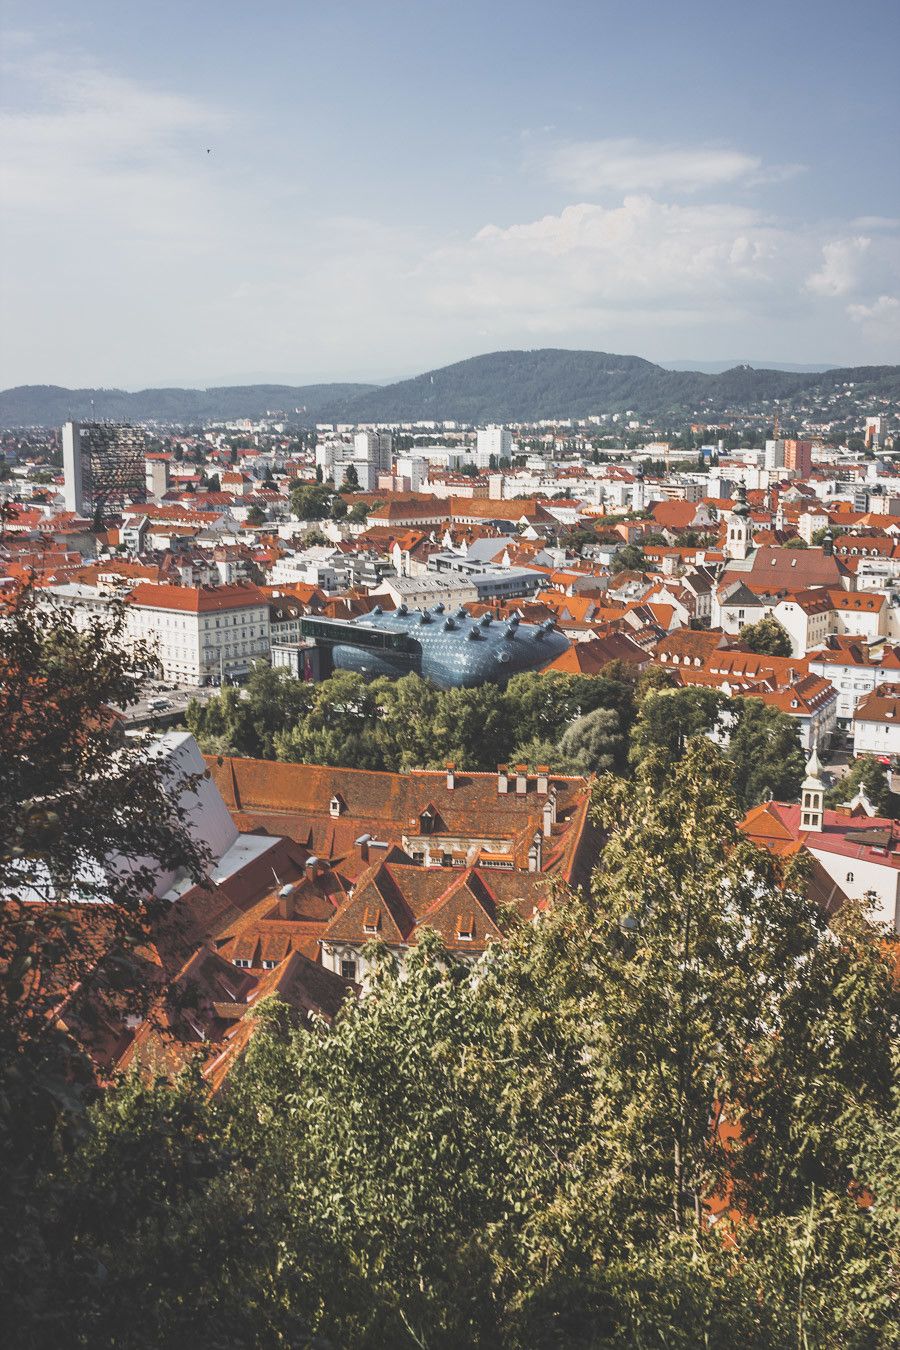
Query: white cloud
<point>881,318</point>
<point>623,166</point>
<point>841,266</point>
<point>643,255</point>
<point>99,149</point>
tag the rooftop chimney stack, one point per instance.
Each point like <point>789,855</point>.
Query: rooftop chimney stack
<point>451,777</point>
<point>362,843</point>
<point>543,779</point>
<point>535,853</point>
<point>286,904</point>
<point>521,779</point>
<point>502,779</point>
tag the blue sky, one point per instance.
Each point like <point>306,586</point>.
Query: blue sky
<point>393,185</point>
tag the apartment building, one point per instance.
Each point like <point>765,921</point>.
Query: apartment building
<point>202,634</point>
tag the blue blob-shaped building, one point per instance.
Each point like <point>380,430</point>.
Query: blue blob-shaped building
<point>453,650</point>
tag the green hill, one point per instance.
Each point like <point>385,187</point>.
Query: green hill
<point>513,386</point>
<point>51,405</point>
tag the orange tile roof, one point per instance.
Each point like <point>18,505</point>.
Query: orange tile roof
<point>197,599</point>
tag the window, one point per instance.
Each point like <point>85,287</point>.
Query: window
<point>269,965</point>
<point>465,927</point>
<point>348,970</point>
<point>244,965</point>
<point>849,876</point>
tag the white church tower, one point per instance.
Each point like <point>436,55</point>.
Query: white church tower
<point>812,809</point>
<point>638,490</point>
<point>740,528</point>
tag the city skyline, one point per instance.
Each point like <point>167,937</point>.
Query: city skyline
<point>364,193</point>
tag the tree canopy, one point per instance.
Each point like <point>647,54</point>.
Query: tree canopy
<point>767,637</point>
<point>646,1121</point>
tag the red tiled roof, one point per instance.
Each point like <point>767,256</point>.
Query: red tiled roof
<point>197,599</point>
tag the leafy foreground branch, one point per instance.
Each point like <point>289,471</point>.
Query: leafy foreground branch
<point>530,1155</point>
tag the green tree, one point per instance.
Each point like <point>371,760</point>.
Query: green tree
<point>472,728</point>
<point>668,720</point>
<point>351,479</point>
<point>717,985</point>
<point>311,501</point>
<point>256,515</point>
<point>358,513</point>
<point>795,542</point>
<point>76,796</point>
<point>630,558</point>
<point>767,637</point>
<point>765,749</point>
<point>340,725</point>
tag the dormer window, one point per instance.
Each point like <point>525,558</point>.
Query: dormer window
<point>240,963</point>
<point>335,806</point>
<point>426,821</point>
<point>465,927</point>
<point>371,920</point>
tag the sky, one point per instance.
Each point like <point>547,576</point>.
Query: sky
<point>207,192</point>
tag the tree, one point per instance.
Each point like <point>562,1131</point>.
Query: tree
<point>77,799</point>
<point>630,558</point>
<point>764,747</point>
<point>668,720</point>
<point>311,501</point>
<point>472,728</point>
<point>338,507</point>
<point>818,536</point>
<point>592,743</point>
<point>717,982</point>
<point>524,1158</point>
<point>340,725</point>
<point>358,513</point>
<point>796,542</point>
<point>256,515</point>
<point>246,721</point>
<point>351,479</point>
<point>767,637</point>
<point>866,774</point>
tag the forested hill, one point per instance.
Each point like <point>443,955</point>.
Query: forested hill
<point>514,386</point>
<point>529,385</point>
<point>51,404</point>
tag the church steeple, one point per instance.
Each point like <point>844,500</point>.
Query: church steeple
<point>740,527</point>
<point>812,808</point>
<point>638,490</point>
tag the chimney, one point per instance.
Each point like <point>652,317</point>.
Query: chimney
<point>362,843</point>
<point>543,779</point>
<point>286,904</point>
<point>451,777</point>
<point>502,779</point>
<point>313,866</point>
<point>535,853</point>
<point>521,779</point>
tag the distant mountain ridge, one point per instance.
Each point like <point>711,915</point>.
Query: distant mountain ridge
<point>52,404</point>
<point>512,386</point>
